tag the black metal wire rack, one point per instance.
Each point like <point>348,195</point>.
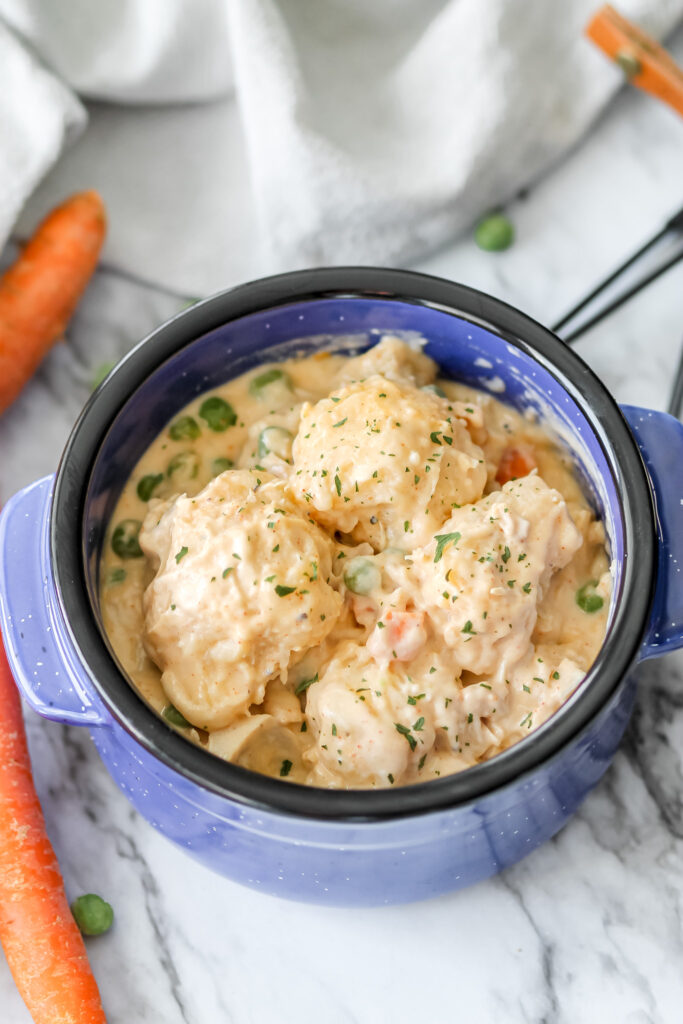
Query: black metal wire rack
<point>659,254</point>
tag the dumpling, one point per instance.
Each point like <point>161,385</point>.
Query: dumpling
<point>240,593</point>
<point>363,723</point>
<point>384,462</point>
<point>482,576</point>
<point>392,359</point>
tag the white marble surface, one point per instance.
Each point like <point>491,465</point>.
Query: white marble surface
<point>587,929</point>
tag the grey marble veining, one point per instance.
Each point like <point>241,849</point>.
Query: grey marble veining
<point>588,928</point>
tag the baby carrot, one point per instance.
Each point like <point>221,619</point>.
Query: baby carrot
<point>42,943</point>
<point>39,292</point>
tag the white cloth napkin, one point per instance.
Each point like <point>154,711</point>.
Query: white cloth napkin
<point>38,116</point>
<point>357,132</point>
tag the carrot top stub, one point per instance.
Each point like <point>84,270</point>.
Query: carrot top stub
<point>40,291</point>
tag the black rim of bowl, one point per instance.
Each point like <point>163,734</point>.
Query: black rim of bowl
<point>232,782</point>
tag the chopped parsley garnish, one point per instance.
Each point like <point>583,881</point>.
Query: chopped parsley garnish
<point>417,726</point>
<point>341,422</point>
<point>181,554</point>
<point>434,437</point>
<point>467,628</point>
<point>405,731</point>
<point>442,540</point>
<point>283,591</point>
<point>285,768</point>
<point>228,570</point>
<point>506,554</point>
<point>414,700</point>
<point>337,484</point>
<point>556,675</point>
<point>305,683</point>
<point>527,588</point>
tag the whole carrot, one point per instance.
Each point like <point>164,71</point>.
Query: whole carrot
<point>42,943</point>
<point>40,291</point>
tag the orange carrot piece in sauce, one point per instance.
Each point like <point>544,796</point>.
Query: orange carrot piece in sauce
<point>515,463</point>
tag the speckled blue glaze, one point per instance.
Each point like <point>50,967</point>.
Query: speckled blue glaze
<point>333,862</point>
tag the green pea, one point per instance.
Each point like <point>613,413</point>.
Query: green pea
<point>262,380</point>
<point>434,389</point>
<point>100,373</point>
<point>124,539</point>
<point>117,575</point>
<point>277,440</point>
<point>172,715</point>
<point>362,576</point>
<point>185,428</point>
<point>185,464</point>
<point>92,915</point>
<point>148,485</point>
<point>220,465</point>
<point>494,233</point>
<point>587,599</point>
<point>218,413</point>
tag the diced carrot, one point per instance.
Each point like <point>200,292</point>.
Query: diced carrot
<point>515,463</point>
<point>401,637</point>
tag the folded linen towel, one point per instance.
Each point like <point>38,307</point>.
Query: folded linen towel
<point>38,116</point>
<point>375,132</point>
<point>378,131</point>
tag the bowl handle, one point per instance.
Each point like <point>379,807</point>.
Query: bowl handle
<point>660,439</point>
<point>38,650</point>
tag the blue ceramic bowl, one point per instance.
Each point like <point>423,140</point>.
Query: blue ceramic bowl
<point>333,847</point>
